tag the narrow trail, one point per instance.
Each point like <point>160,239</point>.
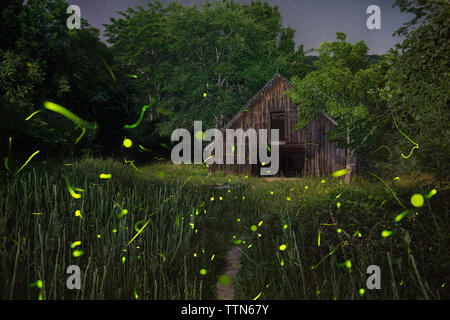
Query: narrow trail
<point>226,292</point>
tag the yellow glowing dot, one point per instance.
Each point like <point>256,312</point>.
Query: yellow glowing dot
<point>114,230</point>
<point>38,284</point>
<point>361,292</point>
<point>386,233</point>
<point>212,198</point>
<point>254,228</point>
<point>260,223</point>
<point>288,198</point>
<point>282,262</point>
<point>224,280</point>
<point>99,236</point>
<point>348,264</point>
<point>239,220</point>
<point>127,143</point>
<point>135,295</point>
<point>306,187</point>
<point>204,95</point>
<point>246,177</point>
<point>417,200</point>
<point>203,272</point>
<point>220,198</point>
<point>271,192</point>
<point>338,205</point>
<point>123,259</point>
<point>283,247</point>
<point>285,227</point>
<point>195,254</point>
<point>323,181</point>
<point>77,253</point>
<point>78,214</point>
<point>339,230</point>
<point>199,135</point>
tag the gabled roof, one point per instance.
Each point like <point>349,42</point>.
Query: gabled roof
<point>268,84</point>
<point>256,96</point>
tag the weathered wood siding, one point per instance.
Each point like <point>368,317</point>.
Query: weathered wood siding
<point>321,156</point>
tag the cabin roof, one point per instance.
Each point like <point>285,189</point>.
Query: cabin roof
<point>260,92</point>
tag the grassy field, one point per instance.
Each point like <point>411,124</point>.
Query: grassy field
<point>184,224</point>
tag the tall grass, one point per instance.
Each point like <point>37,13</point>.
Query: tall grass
<point>414,261</point>
<point>158,264</point>
<point>190,221</point>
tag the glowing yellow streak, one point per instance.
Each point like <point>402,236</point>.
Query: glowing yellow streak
<point>76,243</point>
<point>29,159</point>
<point>402,215</point>
<point>388,188</point>
<point>416,146</point>
<point>140,230</point>
<point>132,164</point>
<point>256,298</point>
<point>105,176</point>
<point>162,256</point>
<point>69,115</point>
<point>339,173</point>
<point>144,108</point>
<point>32,115</point>
<point>143,148</point>
<point>318,240</point>
<point>10,239</point>
<point>83,131</point>
<point>386,233</point>
<point>431,194</point>
<point>37,213</point>
<point>107,67</point>
<point>384,146</point>
<point>187,180</point>
<point>71,191</point>
<point>329,254</point>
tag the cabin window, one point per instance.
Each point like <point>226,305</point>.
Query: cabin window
<point>278,121</point>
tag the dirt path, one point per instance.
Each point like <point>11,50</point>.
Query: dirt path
<point>226,292</point>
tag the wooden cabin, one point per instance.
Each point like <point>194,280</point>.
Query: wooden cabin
<point>305,152</point>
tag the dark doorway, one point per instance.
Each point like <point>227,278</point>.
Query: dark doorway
<point>291,163</point>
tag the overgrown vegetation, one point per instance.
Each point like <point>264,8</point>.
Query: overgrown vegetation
<point>39,223</point>
<point>204,63</point>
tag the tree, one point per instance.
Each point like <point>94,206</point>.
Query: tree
<point>417,88</point>
<point>201,63</point>
<point>346,88</point>
<point>41,59</point>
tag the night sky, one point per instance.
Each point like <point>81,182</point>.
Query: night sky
<point>313,20</point>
